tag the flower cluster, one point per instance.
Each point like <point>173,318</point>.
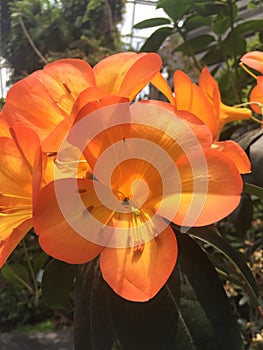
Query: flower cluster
<point>95,174</point>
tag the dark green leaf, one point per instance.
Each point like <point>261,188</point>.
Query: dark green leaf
<point>92,324</point>
<point>152,22</point>
<point>213,56</point>
<point>191,312</point>
<point>17,274</point>
<point>154,42</point>
<point>249,26</point>
<point>175,9</point>
<point>196,44</point>
<point>234,44</point>
<point>243,215</point>
<point>209,235</point>
<point>253,189</point>
<point>195,22</point>
<point>57,284</point>
<point>206,8</point>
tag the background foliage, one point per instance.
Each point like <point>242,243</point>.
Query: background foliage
<point>48,30</point>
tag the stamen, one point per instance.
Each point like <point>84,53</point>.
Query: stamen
<point>57,161</point>
<point>81,190</point>
<point>242,65</point>
<point>87,210</point>
<point>258,104</point>
<point>136,211</point>
<point>139,246</point>
<point>66,87</point>
<point>51,154</point>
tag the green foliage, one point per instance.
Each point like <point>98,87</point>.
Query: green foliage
<point>214,30</point>
<point>57,284</point>
<point>84,29</point>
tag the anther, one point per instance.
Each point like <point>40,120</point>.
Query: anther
<point>51,154</point>
<point>66,87</point>
<point>81,190</point>
<point>136,211</point>
<point>139,246</point>
<point>87,210</point>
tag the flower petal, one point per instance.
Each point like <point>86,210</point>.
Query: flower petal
<point>56,237</point>
<point>190,97</point>
<point>161,84</point>
<point>16,233</point>
<point>256,95</point>
<point>209,190</point>
<point>254,59</point>
<point>29,104</point>
<point>65,79</point>
<point>126,73</point>
<point>235,153</point>
<point>139,275</point>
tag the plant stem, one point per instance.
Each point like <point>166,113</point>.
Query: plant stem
<point>30,268</point>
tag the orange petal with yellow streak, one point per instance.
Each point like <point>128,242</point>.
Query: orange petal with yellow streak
<point>16,234</point>
<point>210,88</point>
<point>139,275</point>
<point>65,79</point>
<point>126,73</point>
<point>161,84</point>
<point>29,104</point>
<point>190,97</point>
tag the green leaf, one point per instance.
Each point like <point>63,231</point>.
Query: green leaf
<point>40,261</point>
<point>57,284</point>
<point>196,44</point>
<point>249,26</point>
<point>152,22</point>
<point>209,235</point>
<point>253,189</point>
<point>154,42</point>
<point>16,274</point>
<point>191,312</point>
<point>195,21</point>
<point>175,9</point>
<point>92,323</point>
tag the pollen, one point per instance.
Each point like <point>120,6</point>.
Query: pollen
<point>136,211</point>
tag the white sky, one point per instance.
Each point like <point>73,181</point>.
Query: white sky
<point>135,14</point>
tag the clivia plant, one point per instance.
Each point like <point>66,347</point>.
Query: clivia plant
<point>123,195</point>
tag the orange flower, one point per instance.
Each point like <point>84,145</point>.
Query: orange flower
<point>224,114</point>
<point>148,163</point>
<point>45,99</point>
<point>16,180</point>
<point>253,59</point>
<point>204,101</point>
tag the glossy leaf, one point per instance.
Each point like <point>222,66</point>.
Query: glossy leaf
<point>156,39</point>
<point>209,235</point>
<point>196,44</point>
<point>191,312</point>
<point>249,26</point>
<point>152,22</point>
<point>253,189</point>
<point>57,284</point>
